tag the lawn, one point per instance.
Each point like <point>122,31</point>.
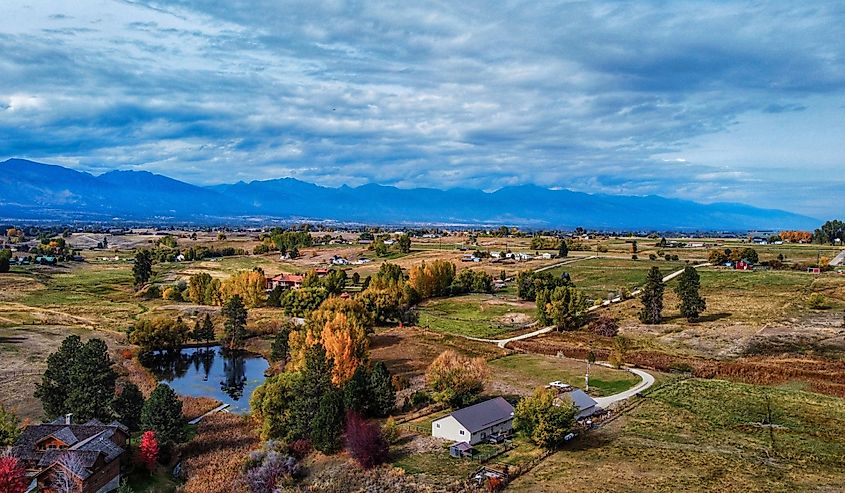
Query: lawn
<point>707,435</point>
<point>476,315</point>
<point>601,276</point>
<point>525,372</point>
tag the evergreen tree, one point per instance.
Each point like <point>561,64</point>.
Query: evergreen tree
<point>382,394</point>
<point>80,380</point>
<point>128,405</point>
<point>316,381</point>
<point>162,413</point>
<point>563,249</point>
<point>204,331</point>
<point>92,383</point>
<point>234,327</point>
<point>327,425</point>
<point>692,304</point>
<point>55,384</point>
<point>356,392</point>
<point>142,269</point>
<point>652,297</point>
<point>281,346</point>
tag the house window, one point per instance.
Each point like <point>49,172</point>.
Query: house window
<point>462,432</point>
<point>438,425</point>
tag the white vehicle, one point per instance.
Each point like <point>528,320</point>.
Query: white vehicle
<point>557,384</point>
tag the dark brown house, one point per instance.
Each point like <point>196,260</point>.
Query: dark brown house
<point>61,456</point>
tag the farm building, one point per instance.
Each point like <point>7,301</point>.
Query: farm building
<point>475,423</point>
<point>85,455</point>
<point>744,265</point>
<point>586,405</point>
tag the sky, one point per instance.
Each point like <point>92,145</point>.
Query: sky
<point>708,101</point>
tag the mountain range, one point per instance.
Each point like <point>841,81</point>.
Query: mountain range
<point>44,192</point>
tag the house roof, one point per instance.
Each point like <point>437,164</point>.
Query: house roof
<point>580,399</point>
<point>484,414</point>
<point>93,436</point>
<point>462,446</point>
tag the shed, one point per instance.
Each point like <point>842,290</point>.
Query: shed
<point>461,449</point>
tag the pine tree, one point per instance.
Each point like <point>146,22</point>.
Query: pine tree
<point>79,379</point>
<point>149,450</point>
<point>280,349</point>
<point>356,392</point>
<point>9,428</point>
<point>234,327</point>
<point>316,381</point>
<point>92,383</point>
<point>55,384</point>
<point>128,405</point>
<point>142,269</point>
<point>327,425</point>
<point>692,304</point>
<point>204,331</point>
<point>162,413</point>
<point>652,297</point>
<point>382,394</point>
<point>563,249</point>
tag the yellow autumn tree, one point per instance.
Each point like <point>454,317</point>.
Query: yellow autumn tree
<point>432,279</point>
<point>249,285</point>
<point>342,326</point>
<point>456,379</point>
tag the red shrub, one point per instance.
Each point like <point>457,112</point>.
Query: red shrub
<point>149,450</point>
<point>365,441</point>
<point>300,448</point>
<point>12,475</point>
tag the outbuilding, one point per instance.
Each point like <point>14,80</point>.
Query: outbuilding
<point>476,423</point>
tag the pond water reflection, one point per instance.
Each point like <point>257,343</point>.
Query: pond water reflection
<point>229,376</point>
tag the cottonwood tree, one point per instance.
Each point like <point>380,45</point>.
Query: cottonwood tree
<point>562,307</point>
<point>542,420</point>
<point>689,284</point>
<point>272,405</point>
<point>405,244</point>
<point>652,297</point>
<point>456,379</point>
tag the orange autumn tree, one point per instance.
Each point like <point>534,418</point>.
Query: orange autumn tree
<point>342,326</point>
<point>456,379</point>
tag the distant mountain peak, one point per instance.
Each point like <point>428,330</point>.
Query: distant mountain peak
<point>51,191</point>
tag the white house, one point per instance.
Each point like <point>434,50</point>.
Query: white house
<point>476,423</point>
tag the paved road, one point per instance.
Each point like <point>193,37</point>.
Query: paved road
<point>646,381</point>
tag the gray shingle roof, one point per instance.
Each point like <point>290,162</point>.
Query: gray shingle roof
<point>484,414</point>
<point>582,401</point>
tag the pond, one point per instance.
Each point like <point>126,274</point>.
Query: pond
<point>229,376</point>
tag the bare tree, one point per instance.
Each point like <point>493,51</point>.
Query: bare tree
<point>67,473</point>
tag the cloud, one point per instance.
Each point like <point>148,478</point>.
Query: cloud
<point>671,99</point>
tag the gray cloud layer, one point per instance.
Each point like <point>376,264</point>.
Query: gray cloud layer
<point>708,101</point>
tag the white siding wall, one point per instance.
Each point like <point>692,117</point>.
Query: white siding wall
<point>450,429</point>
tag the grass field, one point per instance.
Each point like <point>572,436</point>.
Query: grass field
<point>600,276</point>
<point>526,372</point>
<point>476,315</point>
<point>707,435</point>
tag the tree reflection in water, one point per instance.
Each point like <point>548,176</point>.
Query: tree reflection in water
<point>234,369</point>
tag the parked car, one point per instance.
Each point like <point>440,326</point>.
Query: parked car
<point>497,438</point>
